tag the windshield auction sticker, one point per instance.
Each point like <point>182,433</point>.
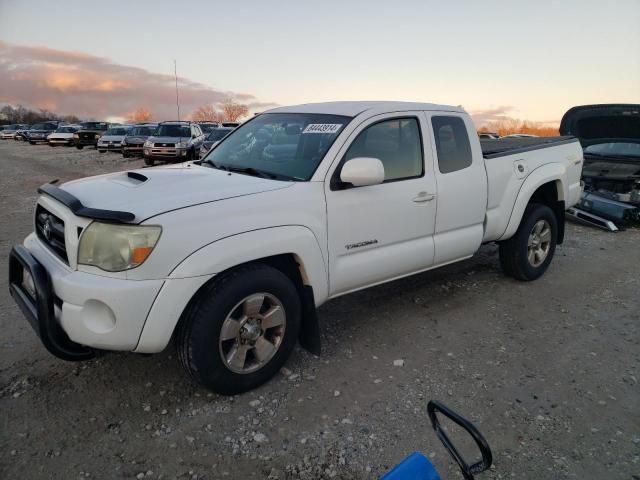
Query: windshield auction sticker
<point>322,128</point>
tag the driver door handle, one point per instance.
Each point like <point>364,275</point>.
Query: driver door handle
<point>423,197</point>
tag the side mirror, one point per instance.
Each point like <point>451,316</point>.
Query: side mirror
<point>362,171</point>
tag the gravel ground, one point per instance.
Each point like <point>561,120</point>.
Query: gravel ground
<point>547,370</point>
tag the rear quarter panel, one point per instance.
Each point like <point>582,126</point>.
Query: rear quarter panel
<point>510,190</point>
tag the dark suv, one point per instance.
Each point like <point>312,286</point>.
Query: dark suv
<point>137,135</point>
<point>39,132</point>
<point>173,142</point>
<point>89,134</point>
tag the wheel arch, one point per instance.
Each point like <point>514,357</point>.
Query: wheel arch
<point>293,250</point>
<point>544,185</point>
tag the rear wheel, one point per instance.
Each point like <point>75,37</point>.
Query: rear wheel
<point>527,255</point>
<point>240,329</point>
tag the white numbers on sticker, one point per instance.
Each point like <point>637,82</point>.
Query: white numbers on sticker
<point>322,128</point>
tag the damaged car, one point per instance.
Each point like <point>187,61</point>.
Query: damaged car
<point>610,138</point>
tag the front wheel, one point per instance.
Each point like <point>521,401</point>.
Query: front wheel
<point>240,329</point>
<point>32,143</point>
<point>527,255</point>
<point>101,151</point>
<point>79,147</point>
<point>149,162</point>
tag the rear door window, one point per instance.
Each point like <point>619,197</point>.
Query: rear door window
<point>452,143</point>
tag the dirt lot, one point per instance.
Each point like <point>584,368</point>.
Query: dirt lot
<point>548,370</point>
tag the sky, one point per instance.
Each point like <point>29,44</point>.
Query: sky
<point>526,59</point>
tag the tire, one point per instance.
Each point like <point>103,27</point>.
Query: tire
<point>125,155</point>
<point>79,147</point>
<point>527,255</point>
<point>198,340</point>
<point>101,151</point>
<point>150,162</point>
<point>32,143</point>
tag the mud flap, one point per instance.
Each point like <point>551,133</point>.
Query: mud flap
<point>310,328</point>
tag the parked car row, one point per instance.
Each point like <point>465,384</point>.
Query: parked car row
<point>170,141</point>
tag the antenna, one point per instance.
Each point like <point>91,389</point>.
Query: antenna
<point>175,73</point>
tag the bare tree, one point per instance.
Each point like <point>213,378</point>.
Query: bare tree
<point>509,126</point>
<point>139,115</point>
<point>233,111</point>
<point>205,113</point>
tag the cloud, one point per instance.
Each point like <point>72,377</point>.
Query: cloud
<point>482,117</point>
<point>95,87</point>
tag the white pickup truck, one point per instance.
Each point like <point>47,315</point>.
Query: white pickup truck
<point>231,255</point>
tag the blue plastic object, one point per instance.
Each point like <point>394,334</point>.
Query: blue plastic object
<point>414,467</point>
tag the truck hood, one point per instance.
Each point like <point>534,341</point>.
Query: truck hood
<point>607,123</point>
<point>152,191</point>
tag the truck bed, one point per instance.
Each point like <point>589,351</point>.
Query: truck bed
<point>492,148</point>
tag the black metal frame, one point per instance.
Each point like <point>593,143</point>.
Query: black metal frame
<point>468,471</point>
<point>80,210</point>
<point>39,311</point>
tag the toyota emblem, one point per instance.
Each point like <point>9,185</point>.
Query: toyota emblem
<point>46,229</point>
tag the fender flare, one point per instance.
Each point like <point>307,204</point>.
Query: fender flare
<point>194,271</point>
<point>550,172</point>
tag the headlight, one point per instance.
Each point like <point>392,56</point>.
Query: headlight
<point>97,136</point>
<point>181,145</point>
<point>115,248</point>
<point>124,141</point>
<point>75,135</point>
<point>148,143</point>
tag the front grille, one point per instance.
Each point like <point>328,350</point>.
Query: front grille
<point>164,144</point>
<point>50,230</point>
<point>87,136</point>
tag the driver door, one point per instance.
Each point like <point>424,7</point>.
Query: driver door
<point>380,232</point>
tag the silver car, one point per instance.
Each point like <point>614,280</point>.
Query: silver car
<point>173,142</point>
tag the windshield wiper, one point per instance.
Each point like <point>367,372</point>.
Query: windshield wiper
<point>254,172</point>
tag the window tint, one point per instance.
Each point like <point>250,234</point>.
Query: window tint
<point>452,143</point>
<point>396,143</point>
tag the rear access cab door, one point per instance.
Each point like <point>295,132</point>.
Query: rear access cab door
<point>461,180</point>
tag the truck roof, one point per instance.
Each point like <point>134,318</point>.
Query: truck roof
<point>351,109</point>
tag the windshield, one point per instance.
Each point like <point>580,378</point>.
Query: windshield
<point>285,144</point>
<point>218,134</point>
<point>142,131</point>
<point>95,125</point>
<point>207,127</point>
<point>172,131</point>
<point>614,148</point>
<point>43,126</point>
<point>116,131</point>
<point>66,130</point>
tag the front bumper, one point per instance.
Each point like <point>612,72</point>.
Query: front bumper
<point>165,153</point>
<point>60,141</point>
<point>132,149</point>
<point>73,310</point>
<point>112,147</point>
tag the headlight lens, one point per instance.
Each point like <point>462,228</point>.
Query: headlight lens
<point>75,135</point>
<point>115,248</point>
<point>148,143</point>
<point>181,145</point>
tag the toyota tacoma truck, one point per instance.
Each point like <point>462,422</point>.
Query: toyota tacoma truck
<point>230,256</point>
